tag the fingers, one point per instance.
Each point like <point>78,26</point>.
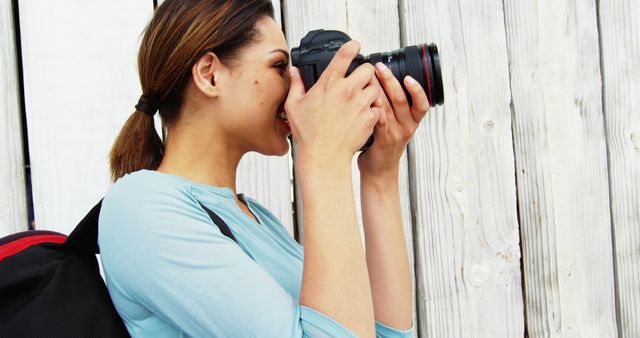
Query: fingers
<point>296,87</point>
<point>396,94</point>
<point>419,98</point>
<point>361,76</point>
<point>398,97</point>
<point>391,86</point>
<point>339,65</point>
<point>369,95</point>
<point>382,100</point>
<point>380,117</point>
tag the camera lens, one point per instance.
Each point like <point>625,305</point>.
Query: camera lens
<point>421,62</point>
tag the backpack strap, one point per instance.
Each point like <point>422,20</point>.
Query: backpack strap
<point>84,238</point>
<point>219,222</point>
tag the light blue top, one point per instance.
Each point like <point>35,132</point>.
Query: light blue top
<point>172,273</point>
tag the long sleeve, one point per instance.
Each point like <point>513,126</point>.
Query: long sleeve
<point>383,331</point>
<point>172,273</point>
<point>169,257</point>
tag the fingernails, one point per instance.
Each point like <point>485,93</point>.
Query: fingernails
<point>410,81</point>
<point>381,67</point>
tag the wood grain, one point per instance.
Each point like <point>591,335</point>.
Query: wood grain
<point>561,162</point>
<point>462,174</point>
<point>539,139</point>
<point>300,18</point>
<point>268,179</point>
<point>80,84</point>
<point>620,51</point>
<point>375,24</point>
<point>13,204</point>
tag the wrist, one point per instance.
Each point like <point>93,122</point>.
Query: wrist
<point>385,175</point>
<point>319,162</point>
<point>381,182</point>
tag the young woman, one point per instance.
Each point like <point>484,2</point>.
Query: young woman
<point>218,72</point>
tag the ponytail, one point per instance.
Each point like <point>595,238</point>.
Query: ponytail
<point>138,146</point>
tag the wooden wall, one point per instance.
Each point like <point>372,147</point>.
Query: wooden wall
<point>13,203</point>
<point>520,195</point>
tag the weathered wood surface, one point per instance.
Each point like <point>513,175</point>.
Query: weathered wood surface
<point>536,98</point>
<point>13,203</point>
<point>375,24</point>
<point>268,178</point>
<point>80,84</point>
<point>620,51</point>
<point>298,19</point>
<point>561,162</point>
<point>363,22</point>
<point>463,186</point>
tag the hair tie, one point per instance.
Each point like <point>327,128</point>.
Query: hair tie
<point>146,105</point>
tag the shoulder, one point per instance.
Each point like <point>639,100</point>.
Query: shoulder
<point>146,204</point>
<point>152,225</point>
<point>136,193</point>
<point>145,212</point>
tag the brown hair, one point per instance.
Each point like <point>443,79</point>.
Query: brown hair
<point>179,33</point>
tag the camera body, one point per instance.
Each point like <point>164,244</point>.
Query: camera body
<point>315,52</point>
<point>422,62</point>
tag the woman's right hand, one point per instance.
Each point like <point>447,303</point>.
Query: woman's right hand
<point>334,118</point>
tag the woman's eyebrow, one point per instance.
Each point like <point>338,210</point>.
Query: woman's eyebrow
<point>286,53</point>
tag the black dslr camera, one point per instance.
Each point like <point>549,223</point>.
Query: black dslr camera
<point>421,62</point>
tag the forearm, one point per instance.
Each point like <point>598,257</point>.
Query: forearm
<point>386,251</point>
<point>335,279</point>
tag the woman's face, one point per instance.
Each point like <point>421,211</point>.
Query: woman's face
<point>255,91</point>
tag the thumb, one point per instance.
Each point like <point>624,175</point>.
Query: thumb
<point>296,87</point>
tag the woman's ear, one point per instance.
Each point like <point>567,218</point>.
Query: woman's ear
<point>205,72</point>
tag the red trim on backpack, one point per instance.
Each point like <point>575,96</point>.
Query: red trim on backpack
<point>18,245</point>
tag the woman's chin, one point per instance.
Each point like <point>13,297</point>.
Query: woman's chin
<point>284,149</point>
<point>279,149</point>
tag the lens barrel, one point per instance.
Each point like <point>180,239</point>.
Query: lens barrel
<point>421,62</point>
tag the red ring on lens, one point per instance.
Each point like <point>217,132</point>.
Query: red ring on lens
<point>426,71</point>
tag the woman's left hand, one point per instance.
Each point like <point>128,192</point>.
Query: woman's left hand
<point>396,127</point>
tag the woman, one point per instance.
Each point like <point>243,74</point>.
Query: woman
<point>218,73</point>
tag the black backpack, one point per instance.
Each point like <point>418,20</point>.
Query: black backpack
<point>50,284</point>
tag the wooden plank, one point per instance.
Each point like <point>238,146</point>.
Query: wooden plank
<point>300,18</point>
<point>81,83</point>
<point>376,25</point>
<point>561,163</point>
<point>13,204</point>
<point>376,30</point>
<point>268,178</point>
<point>462,176</point>
<point>620,51</point>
